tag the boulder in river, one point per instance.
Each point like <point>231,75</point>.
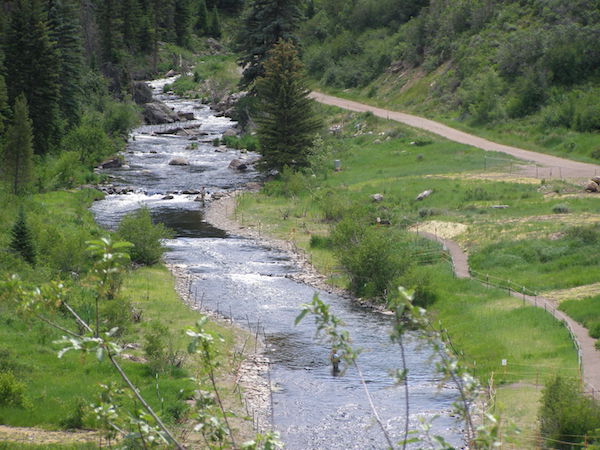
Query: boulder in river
<point>168,197</point>
<point>238,164</point>
<point>230,132</point>
<point>156,113</point>
<point>142,93</point>
<point>185,115</point>
<point>179,162</point>
<point>112,163</point>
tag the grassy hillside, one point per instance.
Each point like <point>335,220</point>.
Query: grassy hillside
<point>522,72</point>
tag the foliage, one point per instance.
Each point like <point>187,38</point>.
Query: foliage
<point>137,228</point>
<point>264,23</point>
<point>286,121</point>
<point>159,348</point>
<point>566,414</point>
<point>12,392</point>
<point>22,240</point>
<point>371,256</point>
<point>18,151</point>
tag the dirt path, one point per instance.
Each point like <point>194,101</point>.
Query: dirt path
<point>590,357</point>
<point>555,167</point>
<point>38,436</point>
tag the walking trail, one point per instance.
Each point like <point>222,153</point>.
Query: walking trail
<point>589,356</point>
<point>556,167</point>
<point>564,168</point>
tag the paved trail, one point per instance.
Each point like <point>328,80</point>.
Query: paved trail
<point>590,357</point>
<point>556,167</point>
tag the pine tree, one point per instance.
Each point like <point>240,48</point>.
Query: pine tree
<point>65,32</point>
<point>183,22</point>
<point>21,239</point>
<point>4,107</point>
<point>32,68</point>
<point>286,123</point>
<point>131,24</point>
<point>201,25</point>
<point>264,23</point>
<point>111,38</point>
<point>18,150</point>
<point>214,24</point>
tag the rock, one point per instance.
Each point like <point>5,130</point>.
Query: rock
<point>186,115</point>
<point>381,221</point>
<point>592,186</point>
<point>170,73</point>
<point>377,197</point>
<point>179,162</point>
<point>596,180</point>
<point>238,164</point>
<point>230,132</point>
<point>424,194</point>
<point>215,46</point>
<point>156,113</point>
<point>190,192</point>
<point>142,93</point>
<point>168,197</point>
<point>253,186</point>
<point>499,206</point>
<point>112,163</point>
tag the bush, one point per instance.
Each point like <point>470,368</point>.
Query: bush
<point>566,413</point>
<point>594,330</point>
<point>160,350</point>
<point>12,392</point>
<point>561,208</point>
<point>146,237</point>
<point>419,279</point>
<point>372,257</point>
<point>323,242</point>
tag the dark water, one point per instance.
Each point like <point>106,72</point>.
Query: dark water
<point>238,276</point>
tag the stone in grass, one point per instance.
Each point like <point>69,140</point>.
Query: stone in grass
<point>423,195</point>
<point>592,186</point>
<point>377,197</point>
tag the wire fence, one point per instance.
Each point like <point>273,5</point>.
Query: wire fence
<point>532,169</point>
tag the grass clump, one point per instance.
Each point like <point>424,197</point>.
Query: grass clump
<point>586,312</point>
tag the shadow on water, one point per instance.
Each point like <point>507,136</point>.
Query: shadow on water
<point>250,283</point>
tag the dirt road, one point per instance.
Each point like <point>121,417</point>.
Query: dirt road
<point>554,166</point>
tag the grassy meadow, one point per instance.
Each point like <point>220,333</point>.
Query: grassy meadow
<point>485,325</point>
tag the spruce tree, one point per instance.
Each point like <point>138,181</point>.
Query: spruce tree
<point>183,22</point>
<point>286,123</point>
<point>264,23</point>
<point>201,25</point>
<point>18,150</point>
<point>4,107</point>
<point>65,32</point>
<point>21,239</point>
<point>32,68</point>
<point>214,24</point>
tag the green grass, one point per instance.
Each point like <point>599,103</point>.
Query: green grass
<point>586,312</point>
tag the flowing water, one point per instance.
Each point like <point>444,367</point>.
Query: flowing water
<point>312,408</point>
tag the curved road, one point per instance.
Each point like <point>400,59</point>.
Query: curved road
<point>590,357</point>
<point>557,167</point>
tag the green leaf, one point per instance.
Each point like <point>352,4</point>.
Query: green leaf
<point>301,316</point>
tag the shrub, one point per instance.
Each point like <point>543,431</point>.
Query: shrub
<point>22,239</point>
<point>323,242</point>
<point>372,257</point>
<point>594,330</point>
<point>160,350</point>
<point>76,419</point>
<point>146,237</point>
<point>12,392</point>
<point>561,208</point>
<point>566,413</point>
<point>419,279</point>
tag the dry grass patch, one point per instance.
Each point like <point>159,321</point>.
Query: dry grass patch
<point>576,293</point>
<point>445,230</point>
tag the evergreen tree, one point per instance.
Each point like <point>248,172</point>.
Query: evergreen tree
<point>214,24</point>
<point>264,23</point>
<point>201,25</point>
<point>132,19</point>
<point>65,32</point>
<point>111,39</point>
<point>18,150</point>
<point>4,107</point>
<point>183,22</point>
<point>32,68</point>
<point>286,123</point>
<point>22,240</point>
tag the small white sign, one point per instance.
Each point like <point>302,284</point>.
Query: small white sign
<point>504,362</point>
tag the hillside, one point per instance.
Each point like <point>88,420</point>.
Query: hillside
<point>526,72</point>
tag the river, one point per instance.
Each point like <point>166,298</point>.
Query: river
<point>244,278</point>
